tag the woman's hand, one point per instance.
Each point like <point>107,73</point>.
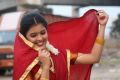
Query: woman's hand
<point>44,57</point>
<point>102,17</point>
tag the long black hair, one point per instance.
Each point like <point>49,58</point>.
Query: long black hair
<point>29,19</point>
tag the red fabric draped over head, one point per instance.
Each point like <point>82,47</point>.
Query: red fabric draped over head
<point>78,35</point>
<point>26,61</point>
<point>23,56</point>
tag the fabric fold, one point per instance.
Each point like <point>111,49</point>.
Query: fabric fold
<point>77,35</point>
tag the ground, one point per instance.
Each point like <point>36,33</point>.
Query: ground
<point>105,70</point>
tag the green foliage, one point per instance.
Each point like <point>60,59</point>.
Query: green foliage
<point>115,29</point>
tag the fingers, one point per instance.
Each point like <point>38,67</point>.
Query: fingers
<point>102,17</point>
<point>101,13</point>
<point>44,53</point>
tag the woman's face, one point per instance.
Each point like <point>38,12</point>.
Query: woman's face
<point>37,34</point>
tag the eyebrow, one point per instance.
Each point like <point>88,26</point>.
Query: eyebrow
<point>38,32</point>
<point>33,33</point>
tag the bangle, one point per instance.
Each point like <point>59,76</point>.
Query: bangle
<point>73,57</point>
<point>100,41</point>
<point>43,78</point>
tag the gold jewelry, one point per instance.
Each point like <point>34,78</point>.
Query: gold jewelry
<point>100,41</point>
<point>73,57</point>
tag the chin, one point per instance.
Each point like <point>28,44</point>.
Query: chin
<point>42,46</point>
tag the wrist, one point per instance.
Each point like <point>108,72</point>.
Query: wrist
<point>101,26</point>
<point>46,62</point>
<point>46,66</point>
<point>101,30</point>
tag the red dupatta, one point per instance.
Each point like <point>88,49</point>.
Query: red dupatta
<point>77,35</point>
<point>26,62</point>
<point>24,57</point>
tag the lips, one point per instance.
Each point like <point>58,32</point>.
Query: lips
<point>40,43</point>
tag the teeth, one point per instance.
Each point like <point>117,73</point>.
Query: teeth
<point>40,44</point>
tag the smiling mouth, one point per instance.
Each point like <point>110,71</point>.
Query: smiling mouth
<point>40,44</point>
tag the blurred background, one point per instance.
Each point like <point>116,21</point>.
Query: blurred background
<point>57,10</point>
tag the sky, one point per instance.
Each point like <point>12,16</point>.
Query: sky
<point>112,11</point>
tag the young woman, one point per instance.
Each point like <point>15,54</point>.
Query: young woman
<point>36,59</point>
<point>32,59</point>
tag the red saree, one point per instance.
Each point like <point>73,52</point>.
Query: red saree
<point>77,35</point>
<point>26,62</point>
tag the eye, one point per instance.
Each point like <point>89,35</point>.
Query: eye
<point>43,32</point>
<point>33,35</point>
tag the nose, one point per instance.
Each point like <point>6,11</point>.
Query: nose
<point>39,38</point>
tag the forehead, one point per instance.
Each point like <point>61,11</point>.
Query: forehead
<point>36,28</point>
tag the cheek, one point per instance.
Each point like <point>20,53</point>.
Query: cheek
<point>46,37</point>
<point>33,40</point>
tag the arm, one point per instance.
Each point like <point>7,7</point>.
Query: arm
<point>96,52</point>
<point>45,73</point>
<point>44,57</point>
